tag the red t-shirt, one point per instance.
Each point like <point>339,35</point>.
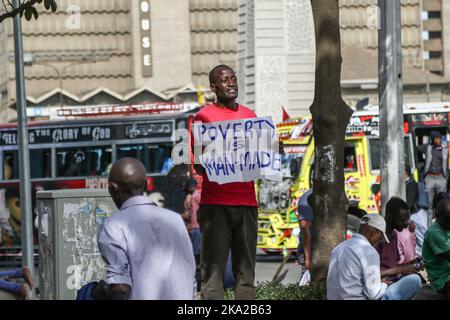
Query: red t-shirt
<point>234,193</point>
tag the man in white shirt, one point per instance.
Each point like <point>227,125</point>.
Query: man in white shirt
<point>147,250</point>
<point>354,269</point>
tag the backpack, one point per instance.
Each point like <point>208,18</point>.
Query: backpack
<point>85,292</point>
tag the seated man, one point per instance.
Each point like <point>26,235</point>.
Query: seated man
<point>354,270</point>
<point>436,249</point>
<point>397,219</point>
<point>18,288</point>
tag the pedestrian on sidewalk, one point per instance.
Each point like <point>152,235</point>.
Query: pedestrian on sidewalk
<point>147,250</point>
<point>305,220</point>
<point>191,205</point>
<point>436,165</point>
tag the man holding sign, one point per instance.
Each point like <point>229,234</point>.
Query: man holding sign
<point>229,163</point>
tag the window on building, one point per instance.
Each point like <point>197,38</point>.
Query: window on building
<point>434,14</point>
<point>435,34</point>
<point>435,54</point>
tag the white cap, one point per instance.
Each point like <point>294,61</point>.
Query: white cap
<point>377,221</point>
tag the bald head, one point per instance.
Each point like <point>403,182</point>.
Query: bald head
<point>127,178</point>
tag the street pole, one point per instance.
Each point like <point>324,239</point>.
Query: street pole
<point>24,156</point>
<point>391,102</point>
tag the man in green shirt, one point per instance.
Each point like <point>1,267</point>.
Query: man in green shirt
<point>436,249</point>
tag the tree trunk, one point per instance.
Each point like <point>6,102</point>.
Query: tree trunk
<point>330,116</point>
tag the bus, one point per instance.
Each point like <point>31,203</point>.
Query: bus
<point>278,226</point>
<point>78,153</point>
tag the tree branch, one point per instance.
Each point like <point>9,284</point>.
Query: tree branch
<point>4,6</point>
<point>22,6</point>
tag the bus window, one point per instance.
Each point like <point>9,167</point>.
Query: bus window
<point>133,151</point>
<point>40,166</point>
<point>349,158</point>
<point>70,162</point>
<point>375,153</point>
<point>159,157</point>
<point>10,165</point>
<point>84,161</point>
<point>98,160</point>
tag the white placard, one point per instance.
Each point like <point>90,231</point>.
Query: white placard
<point>239,150</point>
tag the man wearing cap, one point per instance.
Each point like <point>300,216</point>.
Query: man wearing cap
<point>436,165</point>
<point>354,270</point>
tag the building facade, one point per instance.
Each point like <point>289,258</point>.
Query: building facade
<point>425,31</point>
<point>276,53</point>
<point>100,52</point>
<point>121,51</point>
<point>213,36</point>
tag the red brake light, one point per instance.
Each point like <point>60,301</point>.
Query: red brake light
<point>287,233</point>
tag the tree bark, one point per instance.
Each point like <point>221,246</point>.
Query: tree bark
<point>330,116</point>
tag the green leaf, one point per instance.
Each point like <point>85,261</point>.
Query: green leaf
<point>28,13</point>
<point>35,12</point>
<point>54,6</point>
<point>48,4</point>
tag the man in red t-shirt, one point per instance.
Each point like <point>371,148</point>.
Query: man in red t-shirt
<point>228,213</point>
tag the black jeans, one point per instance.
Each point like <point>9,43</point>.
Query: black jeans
<point>224,228</point>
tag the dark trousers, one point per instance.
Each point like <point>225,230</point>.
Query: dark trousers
<point>224,228</point>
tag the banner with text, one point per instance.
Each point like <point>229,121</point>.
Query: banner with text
<point>239,150</point>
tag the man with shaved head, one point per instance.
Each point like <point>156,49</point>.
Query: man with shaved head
<point>147,250</point>
<point>228,213</point>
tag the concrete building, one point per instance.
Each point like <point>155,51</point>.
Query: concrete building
<point>121,51</point>
<point>101,51</point>
<point>423,41</point>
<point>213,36</point>
<point>425,31</point>
<point>276,53</point>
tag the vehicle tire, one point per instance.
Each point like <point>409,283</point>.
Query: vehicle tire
<point>352,225</point>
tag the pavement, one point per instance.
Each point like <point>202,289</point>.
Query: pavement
<point>266,267</point>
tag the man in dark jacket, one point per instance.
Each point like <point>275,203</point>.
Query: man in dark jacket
<point>436,165</point>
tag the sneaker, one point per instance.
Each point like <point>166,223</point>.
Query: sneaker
<point>27,276</point>
<point>24,292</point>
